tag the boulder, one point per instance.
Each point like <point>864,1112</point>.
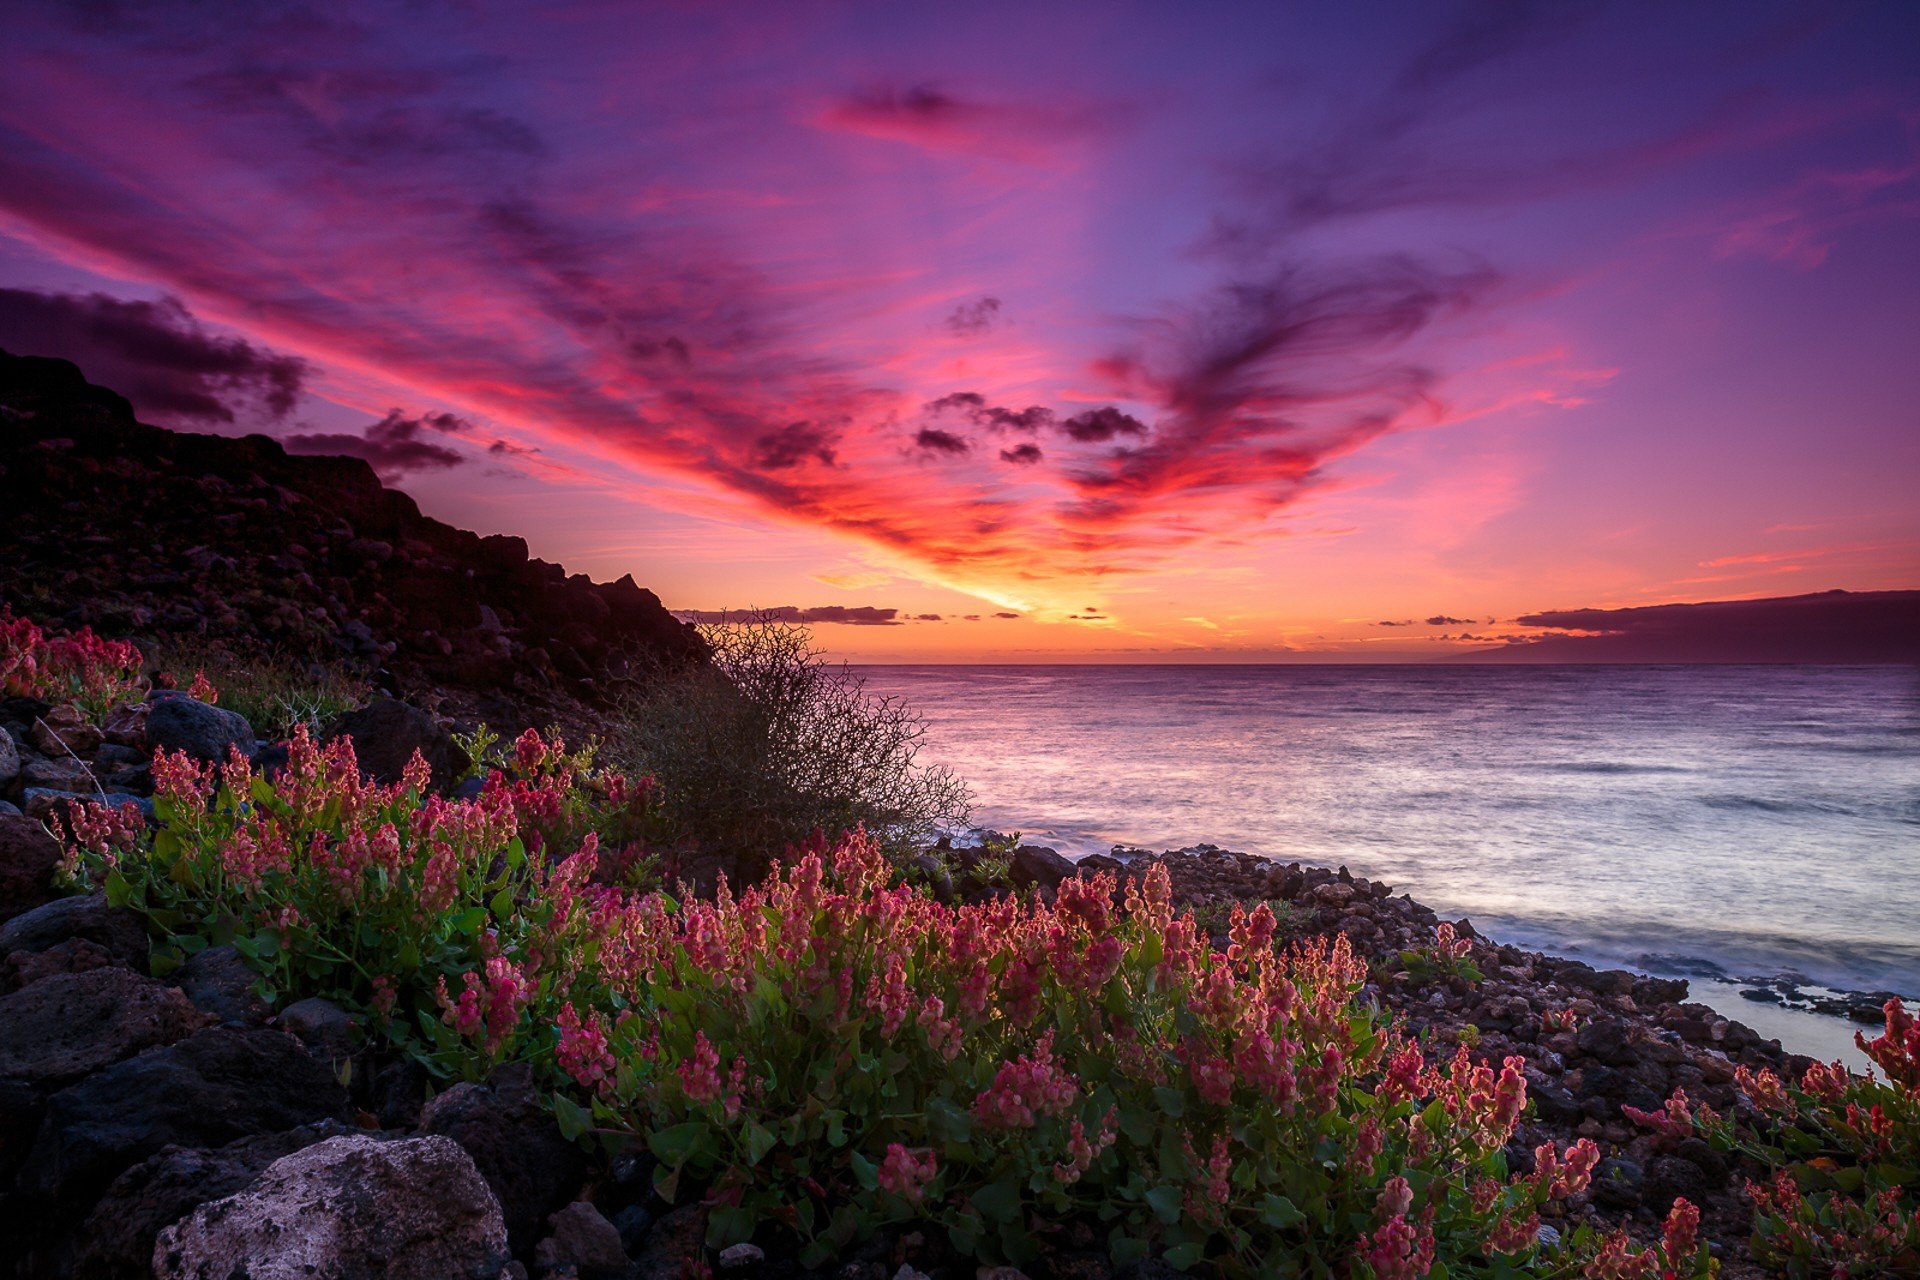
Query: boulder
<point>217,1085</point>
<point>675,1247</point>
<point>28,855</point>
<point>120,931</point>
<point>9,758</point>
<point>66,729</point>
<point>514,1141</point>
<point>1035,866</point>
<point>219,981</point>
<point>349,1208</point>
<point>386,734</point>
<point>70,1025</point>
<point>115,1242</point>
<point>323,1026</point>
<point>75,955</point>
<point>583,1240</point>
<point>176,722</point>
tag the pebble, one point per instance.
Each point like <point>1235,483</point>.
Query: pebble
<point>738,1257</point>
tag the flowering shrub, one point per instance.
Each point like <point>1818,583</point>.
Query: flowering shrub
<point>830,1051</point>
<point>1843,1200</point>
<point>441,918</point>
<point>77,667</point>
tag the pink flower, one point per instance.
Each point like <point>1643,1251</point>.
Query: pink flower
<point>906,1173</point>
<point>1026,1089</point>
<point>1682,1233</point>
<point>583,1052</point>
<point>700,1073</point>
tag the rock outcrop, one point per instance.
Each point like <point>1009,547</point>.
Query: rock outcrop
<point>139,531</point>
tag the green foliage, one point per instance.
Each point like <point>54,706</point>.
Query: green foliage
<point>829,1052</point>
<point>274,692</point>
<point>771,745</point>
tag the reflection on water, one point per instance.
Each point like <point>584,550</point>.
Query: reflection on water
<point>1757,820</point>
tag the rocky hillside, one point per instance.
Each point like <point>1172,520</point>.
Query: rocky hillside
<point>142,532</point>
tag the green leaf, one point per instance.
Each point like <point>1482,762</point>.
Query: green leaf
<point>947,1123</point>
<point>998,1202</point>
<point>865,1172</point>
<point>1182,1256</point>
<point>673,1146</point>
<point>760,1140</point>
<point>1280,1212</point>
<point>574,1120</point>
<point>1164,1200</point>
<point>729,1225</point>
<point>469,921</point>
<point>119,892</point>
<point>1171,1101</point>
<point>1125,1249</point>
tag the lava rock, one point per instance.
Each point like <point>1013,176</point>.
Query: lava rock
<point>219,981</point>
<point>176,722</point>
<point>75,955</point>
<point>69,1025</point>
<point>28,855</point>
<point>344,1209</point>
<point>207,1090</point>
<point>516,1145</point>
<point>116,1240</point>
<point>1038,867</point>
<point>1617,1183</point>
<point>9,763</point>
<point>1669,1178</point>
<point>323,1026</point>
<point>583,1240</point>
<point>387,733</point>
<point>674,1247</point>
<point>121,932</point>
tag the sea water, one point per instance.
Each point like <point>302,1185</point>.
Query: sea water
<point>1727,824</point>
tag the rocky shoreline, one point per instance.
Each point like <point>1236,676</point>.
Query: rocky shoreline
<point>129,1102</point>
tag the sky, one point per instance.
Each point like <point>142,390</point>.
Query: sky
<point>1032,331</point>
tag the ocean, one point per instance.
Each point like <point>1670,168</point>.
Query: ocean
<point>1731,825</point>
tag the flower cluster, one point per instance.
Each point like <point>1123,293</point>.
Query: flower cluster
<point>1842,1198</point>
<point>790,1049</point>
<point>77,667</point>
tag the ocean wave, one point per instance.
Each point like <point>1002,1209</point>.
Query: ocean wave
<point>1764,804</point>
<point>1613,766</point>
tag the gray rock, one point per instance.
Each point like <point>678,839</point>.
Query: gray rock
<point>120,931</point>
<point>219,981</point>
<point>583,1240</point>
<point>1036,866</point>
<point>740,1257</point>
<point>28,857</point>
<point>75,955</point>
<point>205,1091</point>
<point>9,759</point>
<point>323,1026</point>
<point>58,773</point>
<point>532,1168</point>
<point>177,722</point>
<point>116,1240</point>
<point>349,1208</point>
<point>69,1025</point>
<point>674,1247</point>
<point>387,732</point>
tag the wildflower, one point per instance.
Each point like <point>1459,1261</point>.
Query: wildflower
<point>582,1052</point>
<point>1675,1118</point>
<point>1765,1089</point>
<point>700,1072</point>
<point>1897,1051</point>
<point>203,689</point>
<point>906,1173</point>
<point>1025,1089</point>
<point>1682,1234</point>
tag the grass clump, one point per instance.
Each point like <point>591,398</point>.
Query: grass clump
<point>274,692</point>
<point>772,744</point>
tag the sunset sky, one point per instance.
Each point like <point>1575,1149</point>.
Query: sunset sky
<point>1145,331</point>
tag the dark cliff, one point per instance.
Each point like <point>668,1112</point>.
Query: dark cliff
<point>143,532</point>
